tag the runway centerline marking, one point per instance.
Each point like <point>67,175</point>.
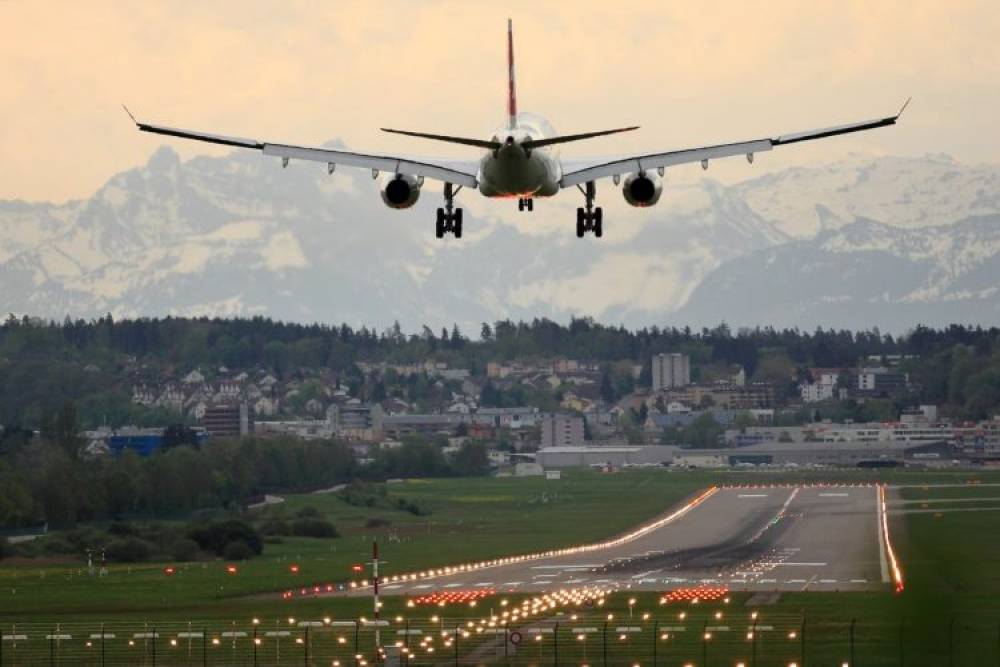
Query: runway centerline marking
<point>834,495</point>
<point>802,564</point>
<point>752,495</point>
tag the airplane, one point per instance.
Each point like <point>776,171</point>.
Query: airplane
<point>518,162</point>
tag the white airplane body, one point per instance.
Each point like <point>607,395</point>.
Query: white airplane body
<point>518,162</point>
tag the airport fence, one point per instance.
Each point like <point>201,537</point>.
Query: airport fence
<point>667,641</point>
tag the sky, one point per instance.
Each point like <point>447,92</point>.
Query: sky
<point>307,72</point>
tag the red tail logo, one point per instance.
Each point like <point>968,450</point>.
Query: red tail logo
<point>511,94</point>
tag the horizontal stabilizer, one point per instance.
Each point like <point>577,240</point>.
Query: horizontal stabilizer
<point>566,138</point>
<point>492,145</point>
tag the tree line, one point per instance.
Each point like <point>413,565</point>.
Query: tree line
<point>43,481</point>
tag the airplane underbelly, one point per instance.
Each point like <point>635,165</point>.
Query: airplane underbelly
<point>519,177</point>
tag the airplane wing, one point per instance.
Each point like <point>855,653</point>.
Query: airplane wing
<point>443,170</point>
<point>704,154</point>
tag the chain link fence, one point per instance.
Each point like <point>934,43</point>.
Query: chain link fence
<point>593,640</point>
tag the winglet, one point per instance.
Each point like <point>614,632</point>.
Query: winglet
<point>903,108</point>
<point>129,114</point>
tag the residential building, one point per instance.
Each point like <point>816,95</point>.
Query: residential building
<point>562,430</point>
<point>671,370</point>
<point>881,381</point>
<point>226,420</point>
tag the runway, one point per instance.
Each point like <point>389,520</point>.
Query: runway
<point>784,538</point>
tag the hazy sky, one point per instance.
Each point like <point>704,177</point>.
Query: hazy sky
<point>305,72</point>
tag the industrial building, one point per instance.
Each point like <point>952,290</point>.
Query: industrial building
<point>833,454</point>
<point>578,457</point>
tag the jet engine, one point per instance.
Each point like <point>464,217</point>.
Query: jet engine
<point>402,190</point>
<point>642,189</point>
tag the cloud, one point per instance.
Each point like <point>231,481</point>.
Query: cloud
<point>689,73</point>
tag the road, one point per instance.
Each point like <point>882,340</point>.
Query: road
<point>785,538</point>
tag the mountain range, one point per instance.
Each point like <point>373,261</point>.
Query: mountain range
<point>888,242</point>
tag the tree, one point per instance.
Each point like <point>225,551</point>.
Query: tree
<point>179,434</point>
<point>607,391</point>
<point>471,459</point>
<point>704,432</point>
<point>486,333</point>
<point>744,420</point>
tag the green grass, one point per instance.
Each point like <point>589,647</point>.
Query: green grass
<point>952,585</point>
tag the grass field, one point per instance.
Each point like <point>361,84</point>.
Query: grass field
<point>950,601</point>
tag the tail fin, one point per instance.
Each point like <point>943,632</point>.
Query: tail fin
<point>511,90</point>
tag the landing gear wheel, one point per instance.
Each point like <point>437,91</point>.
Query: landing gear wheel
<point>520,204</point>
<point>589,218</point>
<point>449,218</point>
<point>530,203</point>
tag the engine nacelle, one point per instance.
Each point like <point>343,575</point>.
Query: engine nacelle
<point>401,190</point>
<point>642,189</point>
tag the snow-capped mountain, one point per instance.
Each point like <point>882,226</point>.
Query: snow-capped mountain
<point>239,235</point>
<point>928,191</point>
<point>861,275</point>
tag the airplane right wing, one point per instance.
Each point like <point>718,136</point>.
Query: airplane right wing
<point>443,170</point>
<point>639,163</point>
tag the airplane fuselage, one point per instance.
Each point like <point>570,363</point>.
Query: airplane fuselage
<point>512,171</point>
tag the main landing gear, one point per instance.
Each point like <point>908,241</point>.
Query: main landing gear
<point>449,218</point>
<point>525,204</point>
<point>589,219</point>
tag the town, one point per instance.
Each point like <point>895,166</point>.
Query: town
<point>535,415</point>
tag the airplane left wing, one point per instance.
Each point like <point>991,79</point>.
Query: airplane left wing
<point>704,154</point>
<point>442,170</point>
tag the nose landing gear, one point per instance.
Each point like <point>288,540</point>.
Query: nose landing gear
<point>449,218</point>
<point>525,204</point>
<point>589,218</point>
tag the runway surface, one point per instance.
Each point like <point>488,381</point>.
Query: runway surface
<point>789,538</point>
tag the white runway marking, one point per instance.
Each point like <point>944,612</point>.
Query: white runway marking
<point>796,581</point>
<point>827,581</point>
<point>454,585</point>
<point>484,583</point>
<point>833,495</point>
<point>752,495</point>
<point>859,581</point>
<point>802,564</point>
<point>768,581</point>
<point>422,586</point>
<point>576,581</point>
<point>512,583</point>
<point>564,567</point>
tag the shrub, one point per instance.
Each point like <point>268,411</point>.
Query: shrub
<point>308,512</point>
<point>314,528</point>
<point>237,550</point>
<point>129,550</point>
<point>216,535</point>
<point>57,544</point>
<point>123,529</point>
<point>184,549</point>
<point>376,522</point>
<point>275,527</point>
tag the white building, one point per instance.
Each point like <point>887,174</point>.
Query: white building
<point>671,370</point>
<point>816,392</point>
